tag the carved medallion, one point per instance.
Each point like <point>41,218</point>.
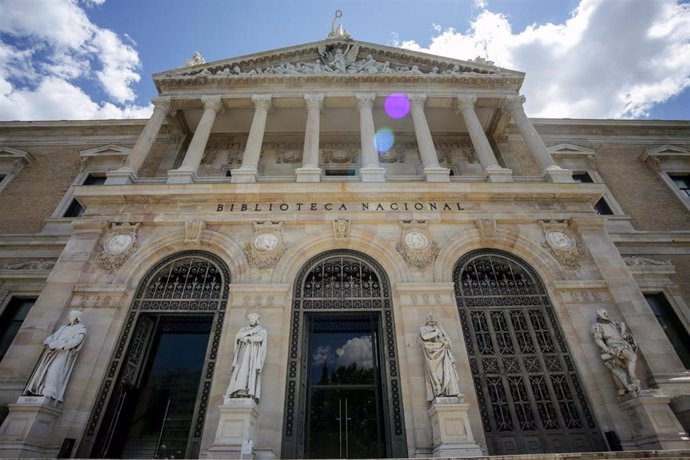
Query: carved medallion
<point>562,245</point>
<point>416,246</point>
<point>117,245</point>
<point>265,247</point>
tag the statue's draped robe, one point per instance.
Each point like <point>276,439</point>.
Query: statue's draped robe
<point>57,361</point>
<point>247,362</point>
<point>441,377</point>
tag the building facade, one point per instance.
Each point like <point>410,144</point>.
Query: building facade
<point>344,191</point>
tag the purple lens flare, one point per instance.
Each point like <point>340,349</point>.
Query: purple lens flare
<point>397,105</point>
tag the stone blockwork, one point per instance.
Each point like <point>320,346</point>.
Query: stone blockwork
<point>642,194</point>
<point>38,188</point>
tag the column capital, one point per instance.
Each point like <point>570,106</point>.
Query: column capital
<point>514,102</point>
<point>365,100</point>
<point>212,102</point>
<point>262,101</point>
<point>314,101</point>
<point>163,103</point>
<point>417,99</point>
<point>466,101</point>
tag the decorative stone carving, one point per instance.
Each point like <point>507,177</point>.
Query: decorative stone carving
<point>266,246</point>
<point>619,351</point>
<point>339,155</point>
<point>248,360</point>
<point>562,244</point>
<point>57,361</point>
<point>341,229</point>
<point>416,246</point>
<point>487,228</point>
<point>397,153</point>
<point>42,265</point>
<point>289,156</point>
<point>117,245</point>
<point>337,30</point>
<point>636,261</point>
<point>446,151</point>
<point>193,230</point>
<point>196,59</point>
<point>441,375</point>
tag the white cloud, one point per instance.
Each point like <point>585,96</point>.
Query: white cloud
<point>357,350</point>
<point>48,49</point>
<point>609,59</point>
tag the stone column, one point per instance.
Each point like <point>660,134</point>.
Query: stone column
<point>546,165</point>
<point>128,173</point>
<point>432,170</point>
<point>186,173</point>
<point>310,171</point>
<point>250,161</point>
<point>485,153</point>
<point>371,171</point>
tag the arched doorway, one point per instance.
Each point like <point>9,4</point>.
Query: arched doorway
<point>153,401</point>
<point>530,395</point>
<point>343,396</point>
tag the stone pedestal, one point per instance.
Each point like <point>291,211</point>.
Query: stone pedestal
<point>27,430</point>
<point>237,423</point>
<point>452,435</point>
<point>373,174</point>
<point>437,174</point>
<point>182,175</point>
<point>497,174</point>
<point>121,176</point>
<point>558,175</point>
<point>308,174</point>
<point>244,175</point>
<point>654,426</point>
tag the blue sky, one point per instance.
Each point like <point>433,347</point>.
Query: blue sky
<point>84,59</point>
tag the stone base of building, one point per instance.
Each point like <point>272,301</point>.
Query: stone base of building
<point>243,175</point>
<point>308,174</point>
<point>437,174</point>
<point>27,430</point>
<point>654,425</point>
<point>237,424</point>
<point>450,424</point>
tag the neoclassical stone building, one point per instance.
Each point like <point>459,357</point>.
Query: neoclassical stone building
<point>344,191</point>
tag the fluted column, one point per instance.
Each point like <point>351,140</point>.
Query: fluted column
<point>127,173</point>
<point>482,147</point>
<point>186,173</point>
<point>534,142</point>
<point>250,161</point>
<point>432,170</point>
<point>310,171</point>
<point>371,170</point>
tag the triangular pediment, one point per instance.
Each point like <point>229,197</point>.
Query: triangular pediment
<point>667,152</point>
<point>570,150</point>
<point>105,151</point>
<point>11,153</point>
<point>338,58</point>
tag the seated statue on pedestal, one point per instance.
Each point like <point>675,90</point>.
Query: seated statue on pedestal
<point>619,351</point>
<point>441,376</point>
<point>57,361</point>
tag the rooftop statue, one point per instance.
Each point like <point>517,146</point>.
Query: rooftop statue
<point>195,60</point>
<point>337,30</point>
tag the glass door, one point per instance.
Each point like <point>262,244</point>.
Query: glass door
<point>344,388</point>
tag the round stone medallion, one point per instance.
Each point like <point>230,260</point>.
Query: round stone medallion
<point>416,240</point>
<point>119,243</point>
<point>560,240</point>
<point>266,242</point>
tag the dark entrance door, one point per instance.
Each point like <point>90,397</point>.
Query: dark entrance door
<point>343,397</point>
<point>530,395</point>
<point>344,388</point>
<point>154,396</point>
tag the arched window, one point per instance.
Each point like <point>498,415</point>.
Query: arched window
<point>530,395</point>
